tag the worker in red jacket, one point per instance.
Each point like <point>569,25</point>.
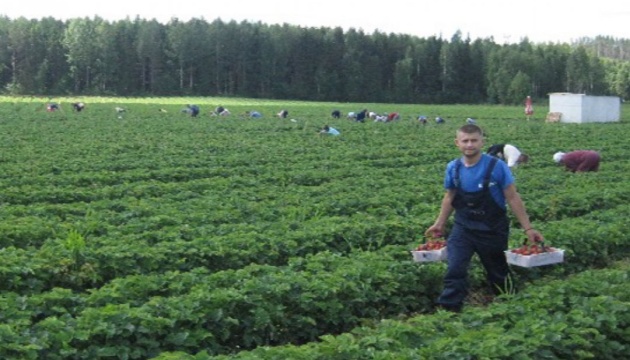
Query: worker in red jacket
<point>578,160</point>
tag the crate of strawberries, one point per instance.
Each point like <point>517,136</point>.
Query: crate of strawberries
<point>537,254</point>
<point>434,249</point>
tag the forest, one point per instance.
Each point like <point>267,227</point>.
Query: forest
<point>140,57</point>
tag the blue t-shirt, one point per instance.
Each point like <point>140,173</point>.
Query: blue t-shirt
<point>471,178</point>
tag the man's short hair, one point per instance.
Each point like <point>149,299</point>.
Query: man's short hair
<point>470,129</point>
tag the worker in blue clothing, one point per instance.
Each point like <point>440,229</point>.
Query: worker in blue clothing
<point>253,114</point>
<point>193,110</point>
<point>361,116</point>
<point>329,130</point>
<point>478,187</point>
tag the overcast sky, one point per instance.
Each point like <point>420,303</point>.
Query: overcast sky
<point>504,20</point>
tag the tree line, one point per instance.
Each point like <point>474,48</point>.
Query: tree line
<point>139,57</point>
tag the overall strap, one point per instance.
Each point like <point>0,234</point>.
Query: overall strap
<point>456,180</point>
<point>486,179</point>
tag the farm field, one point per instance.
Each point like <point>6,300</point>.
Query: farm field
<point>152,234</point>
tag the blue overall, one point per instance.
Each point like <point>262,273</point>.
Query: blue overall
<point>481,227</point>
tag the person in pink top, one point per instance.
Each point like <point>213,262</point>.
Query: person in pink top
<point>393,116</point>
<point>529,109</point>
<point>578,160</point>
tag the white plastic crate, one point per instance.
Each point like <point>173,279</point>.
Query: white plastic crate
<point>429,255</point>
<point>545,258</point>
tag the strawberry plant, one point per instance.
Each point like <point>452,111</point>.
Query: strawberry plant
<point>154,233</point>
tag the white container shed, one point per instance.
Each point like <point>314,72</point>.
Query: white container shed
<point>581,108</point>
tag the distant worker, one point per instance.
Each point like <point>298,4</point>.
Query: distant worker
<point>471,121</point>
<point>78,106</point>
<point>283,114</point>
<point>508,153</point>
<point>120,111</point>
<point>381,118</point>
<point>193,110</point>
<point>52,107</point>
<point>329,130</point>
<point>361,116</point>
<point>351,115</point>
<point>220,111</point>
<point>393,116</point>
<point>578,160</point>
<point>439,120</point>
<point>336,114</point>
<point>529,109</point>
<point>422,119</point>
<point>254,114</point>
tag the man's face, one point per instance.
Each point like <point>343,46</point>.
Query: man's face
<point>469,144</point>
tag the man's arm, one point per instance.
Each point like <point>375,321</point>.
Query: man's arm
<point>518,208</point>
<point>446,209</point>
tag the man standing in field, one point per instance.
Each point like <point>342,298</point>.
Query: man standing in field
<point>478,187</point>
<point>579,160</point>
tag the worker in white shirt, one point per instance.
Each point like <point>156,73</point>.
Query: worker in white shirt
<point>508,153</point>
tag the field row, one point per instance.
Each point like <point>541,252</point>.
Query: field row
<point>151,233</point>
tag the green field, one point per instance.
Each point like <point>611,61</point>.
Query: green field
<point>156,235</point>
